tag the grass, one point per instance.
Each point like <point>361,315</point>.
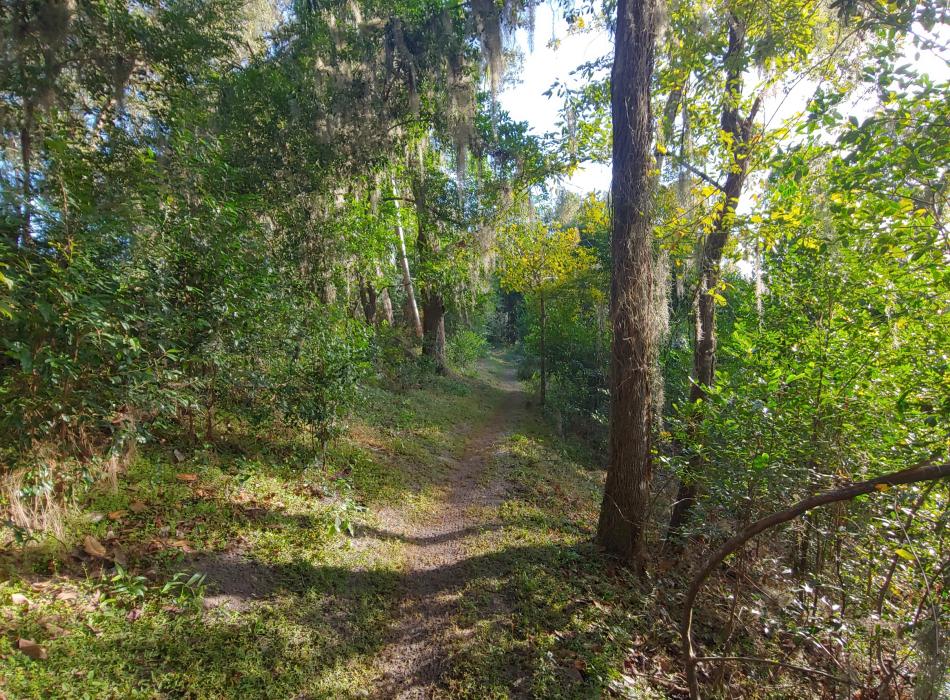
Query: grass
<point>254,501</point>
<point>541,615</point>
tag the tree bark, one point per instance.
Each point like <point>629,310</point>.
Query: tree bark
<point>411,305</point>
<point>704,349</point>
<point>368,298</point>
<point>26,155</point>
<point>433,305</point>
<point>633,352</point>
<point>433,338</point>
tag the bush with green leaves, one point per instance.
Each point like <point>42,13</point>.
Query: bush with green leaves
<point>465,348</point>
<point>315,381</point>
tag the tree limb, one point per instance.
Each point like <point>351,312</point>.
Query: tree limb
<point>844,493</point>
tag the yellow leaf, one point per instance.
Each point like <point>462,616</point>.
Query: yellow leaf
<point>882,487</point>
<point>904,554</point>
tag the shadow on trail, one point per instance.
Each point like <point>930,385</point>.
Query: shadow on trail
<point>335,602</point>
<point>460,534</point>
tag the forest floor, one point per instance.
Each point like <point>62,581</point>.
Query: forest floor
<point>446,553</point>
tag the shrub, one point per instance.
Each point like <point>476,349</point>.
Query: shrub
<point>465,348</point>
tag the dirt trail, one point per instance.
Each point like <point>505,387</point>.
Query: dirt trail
<point>421,639</point>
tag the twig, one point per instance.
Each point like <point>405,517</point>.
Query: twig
<point>773,662</point>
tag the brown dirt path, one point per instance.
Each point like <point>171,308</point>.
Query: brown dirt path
<point>423,635</point>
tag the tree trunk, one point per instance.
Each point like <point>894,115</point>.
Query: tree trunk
<point>544,359</point>
<point>26,155</point>
<point>411,305</point>
<point>633,352</point>
<point>433,309</point>
<point>704,349</point>
<point>384,301</point>
<point>433,338</point>
<point>368,299</point>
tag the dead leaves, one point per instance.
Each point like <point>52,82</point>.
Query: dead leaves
<point>53,630</point>
<point>94,548</point>
<point>137,507</point>
<point>159,544</point>
<point>31,649</point>
<point>187,478</point>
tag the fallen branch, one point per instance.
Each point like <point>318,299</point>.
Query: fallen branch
<point>772,662</point>
<point>843,493</point>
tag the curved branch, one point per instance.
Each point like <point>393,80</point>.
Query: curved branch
<point>844,493</point>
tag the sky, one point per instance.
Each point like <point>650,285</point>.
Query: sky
<point>545,65</point>
<point>542,67</point>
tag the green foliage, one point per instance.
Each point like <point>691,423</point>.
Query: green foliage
<point>185,588</point>
<point>465,348</point>
<point>127,587</point>
<point>315,381</point>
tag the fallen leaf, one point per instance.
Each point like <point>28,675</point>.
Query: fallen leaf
<point>179,455</point>
<point>94,547</point>
<point>20,599</point>
<point>183,545</point>
<point>116,514</point>
<point>186,477</point>
<point>66,595</point>
<point>137,507</point>
<point>54,631</point>
<point>96,517</point>
<point>31,649</point>
<point>134,614</point>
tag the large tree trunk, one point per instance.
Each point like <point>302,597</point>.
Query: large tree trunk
<point>411,307</point>
<point>433,339</point>
<point>433,305</point>
<point>704,349</point>
<point>368,299</point>
<point>633,351</point>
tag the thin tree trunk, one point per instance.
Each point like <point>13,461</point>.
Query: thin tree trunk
<point>847,492</point>
<point>544,359</point>
<point>633,353</point>
<point>704,350</point>
<point>26,155</point>
<point>411,305</point>
<point>385,302</point>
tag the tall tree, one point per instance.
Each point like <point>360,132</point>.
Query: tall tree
<point>739,131</point>
<point>537,260</point>
<point>629,473</point>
